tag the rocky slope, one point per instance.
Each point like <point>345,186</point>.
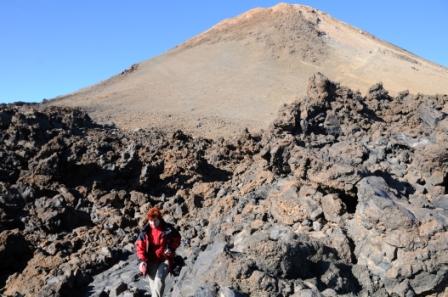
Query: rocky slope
<point>343,195</point>
<point>238,73</point>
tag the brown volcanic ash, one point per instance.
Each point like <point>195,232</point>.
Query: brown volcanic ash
<point>239,72</point>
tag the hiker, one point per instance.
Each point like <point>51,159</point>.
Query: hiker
<point>155,247</point>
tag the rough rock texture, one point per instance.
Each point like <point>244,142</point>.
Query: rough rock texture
<point>344,195</point>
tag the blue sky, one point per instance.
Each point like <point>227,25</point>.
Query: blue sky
<point>53,47</point>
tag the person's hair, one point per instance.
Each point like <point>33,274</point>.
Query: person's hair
<point>154,213</point>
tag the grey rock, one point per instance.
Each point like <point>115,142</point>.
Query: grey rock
<point>426,282</point>
<point>228,292</point>
<point>118,289</point>
<point>430,116</point>
<point>205,291</point>
<point>332,207</point>
<point>317,226</point>
<point>192,278</point>
<point>441,202</point>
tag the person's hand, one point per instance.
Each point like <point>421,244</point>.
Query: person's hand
<point>143,268</point>
<point>168,253</point>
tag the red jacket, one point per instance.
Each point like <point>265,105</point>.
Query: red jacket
<point>152,243</point>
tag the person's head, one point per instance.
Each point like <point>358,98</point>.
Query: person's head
<point>154,217</point>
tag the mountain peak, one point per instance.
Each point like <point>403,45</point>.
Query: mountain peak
<point>281,31</point>
<point>237,73</point>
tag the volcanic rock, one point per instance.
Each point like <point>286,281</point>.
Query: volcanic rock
<point>343,195</point>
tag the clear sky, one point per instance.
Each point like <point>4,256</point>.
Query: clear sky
<point>53,47</point>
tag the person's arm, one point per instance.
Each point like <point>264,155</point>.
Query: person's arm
<point>140,247</point>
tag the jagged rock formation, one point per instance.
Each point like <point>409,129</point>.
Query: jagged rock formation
<point>343,195</point>
<point>237,74</point>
